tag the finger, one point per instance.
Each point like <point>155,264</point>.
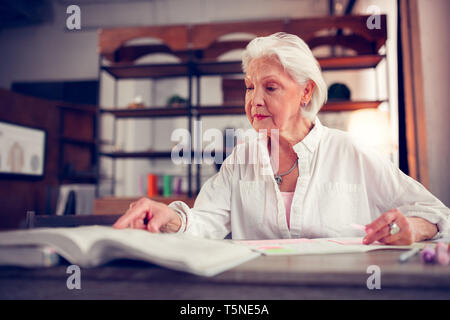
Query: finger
<point>120,224</point>
<point>123,221</point>
<point>139,224</point>
<point>404,237</point>
<point>139,210</point>
<point>376,236</point>
<point>158,220</point>
<point>382,221</point>
<point>392,239</point>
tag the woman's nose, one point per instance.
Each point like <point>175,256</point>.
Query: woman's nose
<point>258,98</point>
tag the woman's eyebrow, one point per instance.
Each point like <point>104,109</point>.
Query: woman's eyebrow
<point>269,77</point>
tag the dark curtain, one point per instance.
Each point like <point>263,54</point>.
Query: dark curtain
<point>403,151</point>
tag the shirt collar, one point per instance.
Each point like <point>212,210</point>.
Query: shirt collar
<point>311,140</point>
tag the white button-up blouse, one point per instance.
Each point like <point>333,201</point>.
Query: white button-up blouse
<point>340,183</point>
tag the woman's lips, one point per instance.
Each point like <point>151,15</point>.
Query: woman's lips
<point>260,116</point>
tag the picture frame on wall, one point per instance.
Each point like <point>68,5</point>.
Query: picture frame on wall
<point>22,151</point>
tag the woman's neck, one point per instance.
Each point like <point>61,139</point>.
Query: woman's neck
<point>288,138</point>
<point>293,134</point>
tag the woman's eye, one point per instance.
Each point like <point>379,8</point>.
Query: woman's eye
<point>271,88</point>
<point>248,88</point>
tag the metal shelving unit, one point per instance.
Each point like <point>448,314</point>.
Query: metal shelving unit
<point>198,48</point>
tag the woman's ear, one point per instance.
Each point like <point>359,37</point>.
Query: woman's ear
<point>307,92</point>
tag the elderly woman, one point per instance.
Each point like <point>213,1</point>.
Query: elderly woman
<point>322,183</point>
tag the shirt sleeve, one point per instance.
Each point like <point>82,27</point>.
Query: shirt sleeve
<point>390,189</point>
<point>416,201</point>
<point>210,216</point>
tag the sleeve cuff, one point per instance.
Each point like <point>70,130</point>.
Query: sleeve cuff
<point>178,207</point>
<point>183,221</point>
<point>441,223</point>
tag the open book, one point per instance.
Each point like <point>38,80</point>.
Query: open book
<point>92,246</point>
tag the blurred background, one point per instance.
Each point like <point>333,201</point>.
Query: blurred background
<point>92,91</point>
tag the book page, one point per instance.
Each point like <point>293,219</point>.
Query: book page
<point>316,246</point>
<point>177,251</point>
<point>90,246</point>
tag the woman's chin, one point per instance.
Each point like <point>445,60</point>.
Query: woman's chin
<point>260,126</point>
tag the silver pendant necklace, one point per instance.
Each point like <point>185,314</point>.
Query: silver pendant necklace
<point>278,176</point>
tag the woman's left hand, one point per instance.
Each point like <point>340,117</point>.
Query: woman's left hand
<point>379,229</point>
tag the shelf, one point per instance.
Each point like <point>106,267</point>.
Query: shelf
<point>350,62</point>
<point>219,110</point>
<point>336,106</point>
<point>225,110</point>
<point>139,154</point>
<point>169,70</point>
<point>332,106</point>
<point>152,71</point>
<point>214,68</point>
<point>145,154</point>
<point>161,112</point>
<point>148,112</point>
<point>155,71</point>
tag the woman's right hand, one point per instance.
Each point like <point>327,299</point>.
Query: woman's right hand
<point>146,214</point>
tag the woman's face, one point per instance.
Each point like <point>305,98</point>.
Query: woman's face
<point>273,98</point>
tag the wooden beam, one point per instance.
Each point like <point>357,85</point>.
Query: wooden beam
<point>416,138</point>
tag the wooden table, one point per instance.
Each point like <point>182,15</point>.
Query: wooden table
<point>337,276</point>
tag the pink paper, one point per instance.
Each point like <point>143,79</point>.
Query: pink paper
<point>352,242</point>
<point>269,247</point>
<point>346,241</point>
<point>274,241</point>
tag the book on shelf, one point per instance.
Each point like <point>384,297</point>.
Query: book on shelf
<point>32,256</point>
<point>92,246</point>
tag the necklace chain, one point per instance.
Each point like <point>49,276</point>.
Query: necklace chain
<point>278,176</point>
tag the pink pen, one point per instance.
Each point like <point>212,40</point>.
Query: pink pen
<point>441,254</point>
<point>358,227</point>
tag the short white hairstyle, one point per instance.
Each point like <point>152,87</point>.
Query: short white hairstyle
<point>297,60</point>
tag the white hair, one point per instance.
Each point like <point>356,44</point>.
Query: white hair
<point>297,60</point>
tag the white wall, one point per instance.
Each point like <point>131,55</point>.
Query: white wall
<point>434,26</point>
